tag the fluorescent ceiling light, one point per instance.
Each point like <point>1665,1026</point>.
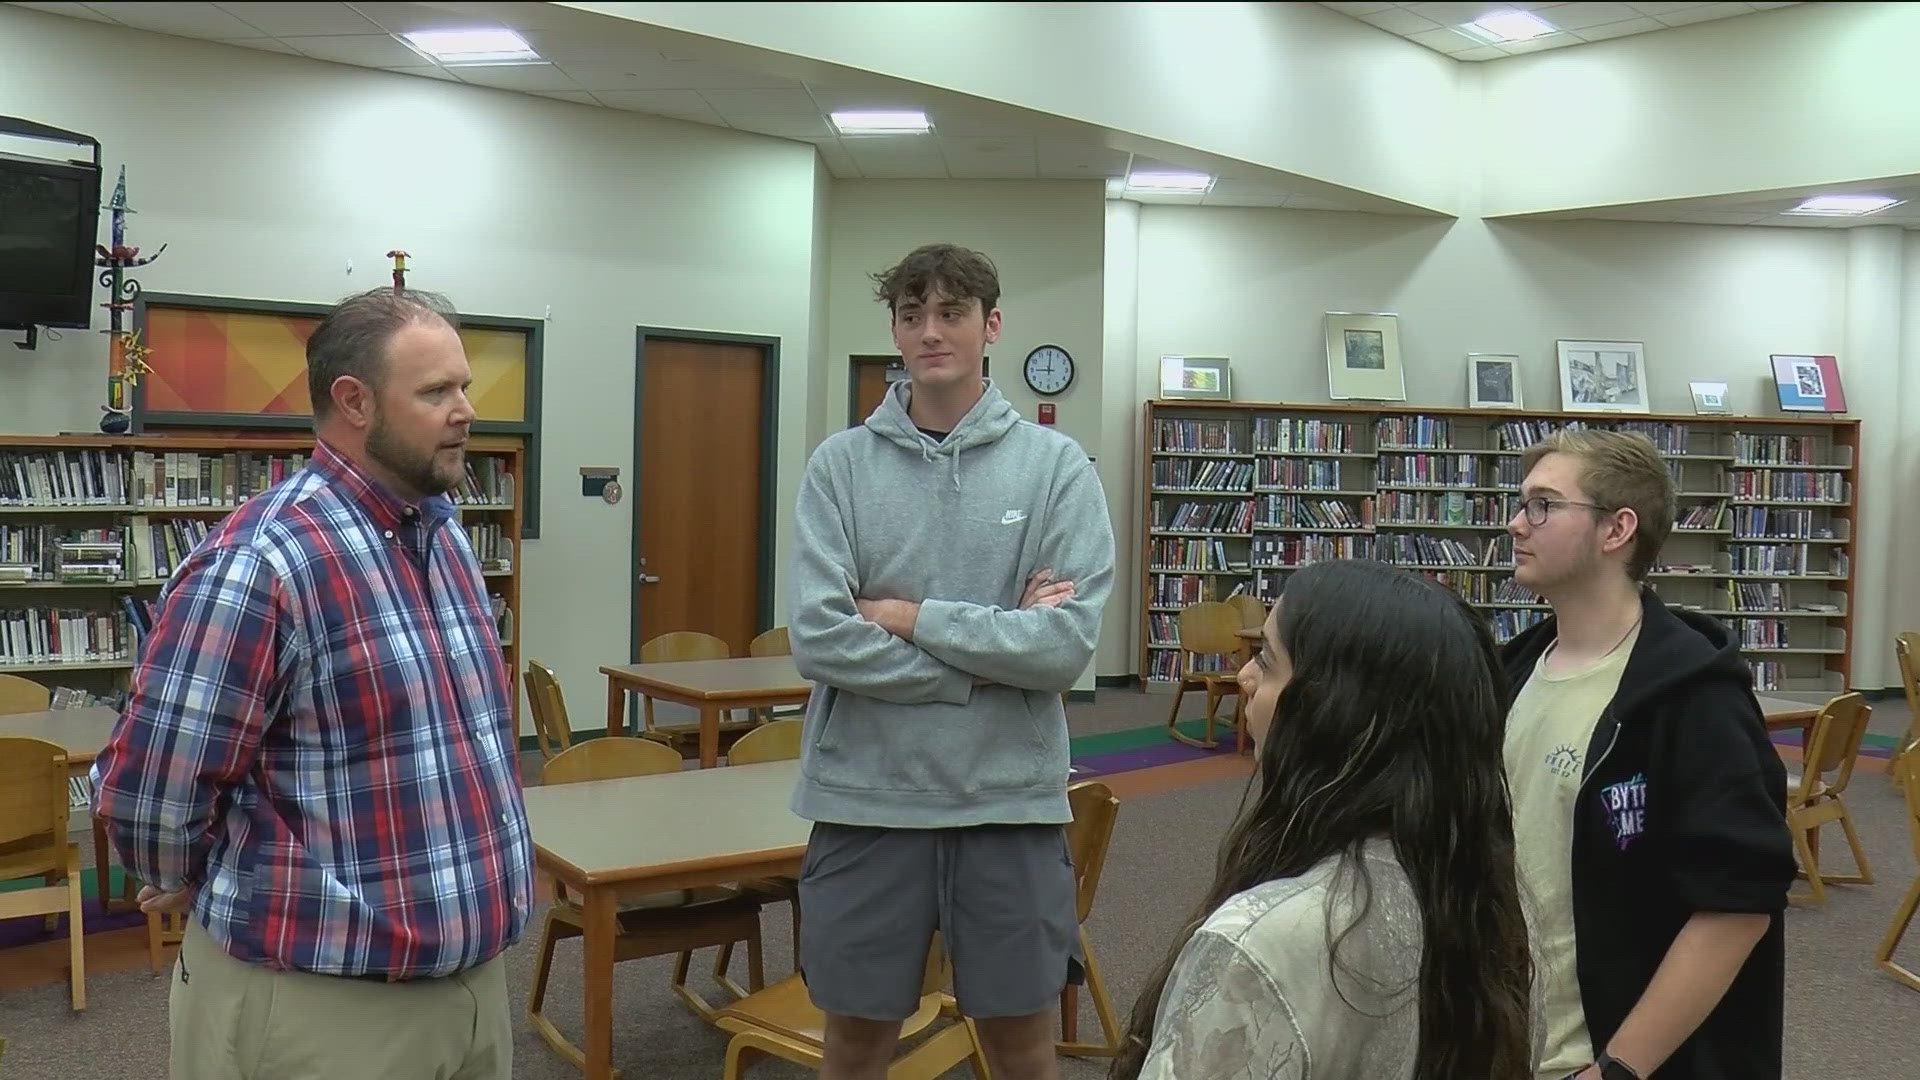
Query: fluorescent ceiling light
<point>881,122</point>
<point>483,46</point>
<point>1501,27</point>
<point>1182,183</point>
<point>1845,205</point>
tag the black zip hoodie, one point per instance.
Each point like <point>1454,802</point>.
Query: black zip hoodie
<point>1682,809</point>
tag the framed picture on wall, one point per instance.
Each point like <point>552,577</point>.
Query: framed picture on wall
<point>1709,397</point>
<point>1603,376</point>
<point>1493,381</point>
<point>1363,357</point>
<point>1808,384</point>
<point>1206,378</point>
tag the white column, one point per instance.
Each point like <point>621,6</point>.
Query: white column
<point>1870,371</point>
<point>1118,457</point>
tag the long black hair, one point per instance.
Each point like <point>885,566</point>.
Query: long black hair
<point>1391,726</point>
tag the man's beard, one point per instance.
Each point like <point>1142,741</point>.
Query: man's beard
<point>418,471</point>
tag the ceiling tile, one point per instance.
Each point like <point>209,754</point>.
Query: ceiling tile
<point>1620,29</point>
<point>1310,202</point>
<point>679,104</point>
<point>995,158</point>
<point>301,19</point>
<point>1544,41</point>
<point>574,47</point>
<point>1400,21</point>
<point>1453,14</point>
<point>647,71</point>
<point>367,50</point>
<point>265,44</point>
<point>406,18</point>
<point>1662,9</point>
<point>700,75</point>
<point>1445,40</point>
<point>1771,6</point>
<point>1358,9</point>
<point>790,103</point>
<point>832,98</point>
<point>1062,160</point>
<point>1580,16</point>
<point>425,71</point>
<point>578,97</point>
<point>1720,217</point>
<point>186,20</point>
<point>781,125</point>
<point>1704,14</point>
<point>75,11</point>
<point>1484,52</point>
<point>838,161</point>
<point>1214,198</point>
<point>531,78</point>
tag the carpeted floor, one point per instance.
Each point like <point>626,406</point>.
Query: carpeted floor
<point>1844,1018</point>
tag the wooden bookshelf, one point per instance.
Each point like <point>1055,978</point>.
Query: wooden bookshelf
<point>115,491</point>
<point>1236,495</point>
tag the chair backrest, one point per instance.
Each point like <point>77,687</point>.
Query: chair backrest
<point>1906,650</point>
<point>610,758</point>
<point>1094,809</point>
<point>776,740</point>
<point>1210,628</point>
<point>551,728</point>
<point>684,645</point>
<point>1834,744</point>
<point>18,695</point>
<point>1253,613</point>
<point>939,969</point>
<point>33,805</point>
<point>772,643</point>
<point>1910,787</point>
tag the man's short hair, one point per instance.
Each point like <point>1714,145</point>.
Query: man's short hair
<point>943,269</point>
<point>1618,469</point>
<point>353,338</point>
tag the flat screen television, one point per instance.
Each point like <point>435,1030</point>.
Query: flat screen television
<point>49,217</point>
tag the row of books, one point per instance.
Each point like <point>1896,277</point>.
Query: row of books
<point>1296,512</point>
<point>1776,449</point>
<point>1702,516</point>
<point>1190,554</point>
<point>1430,470</point>
<point>1779,485</point>
<point>1278,435</point>
<point>1210,515</point>
<point>1508,622</point>
<point>491,545</point>
<point>50,635</point>
<point>175,478</point>
<point>1791,559</point>
<point>1445,508</point>
<point>1764,523</point>
<point>1762,633</point>
<point>1770,596</point>
<point>1301,473</point>
<point>1291,552</point>
<point>1224,436</point>
<point>1201,474</point>
<point>1484,588</point>
<point>62,478</point>
<point>1434,432</point>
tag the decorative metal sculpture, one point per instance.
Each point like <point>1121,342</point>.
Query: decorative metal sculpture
<point>399,270</point>
<point>126,356</point>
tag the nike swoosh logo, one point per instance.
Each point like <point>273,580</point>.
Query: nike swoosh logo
<point>1013,517</point>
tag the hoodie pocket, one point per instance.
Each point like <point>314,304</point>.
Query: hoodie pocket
<point>994,743</point>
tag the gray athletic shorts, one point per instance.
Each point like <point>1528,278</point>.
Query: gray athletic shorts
<point>1002,897</point>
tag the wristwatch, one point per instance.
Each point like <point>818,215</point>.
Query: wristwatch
<point>1612,1068</point>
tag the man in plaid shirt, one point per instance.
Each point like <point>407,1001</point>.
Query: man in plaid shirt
<point>317,758</point>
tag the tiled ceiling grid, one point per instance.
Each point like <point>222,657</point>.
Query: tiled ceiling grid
<point>1436,25</point>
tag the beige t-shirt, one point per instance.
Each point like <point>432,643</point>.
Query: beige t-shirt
<point>1548,732</point>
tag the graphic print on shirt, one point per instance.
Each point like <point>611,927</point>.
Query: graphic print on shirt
<point>1626,806</point>
<point>1564,761</point>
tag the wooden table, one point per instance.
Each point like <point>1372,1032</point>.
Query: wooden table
<point>711,686</point>
<point>82,733</point>
<point>1784,708</point>
<point>699,827</point>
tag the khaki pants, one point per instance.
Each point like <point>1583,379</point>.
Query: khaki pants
<point>237,1021</point>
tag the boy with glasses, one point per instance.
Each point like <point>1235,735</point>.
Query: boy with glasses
<point>1649,805</point>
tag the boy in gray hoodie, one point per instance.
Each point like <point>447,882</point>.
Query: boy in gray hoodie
<point>952,561</point>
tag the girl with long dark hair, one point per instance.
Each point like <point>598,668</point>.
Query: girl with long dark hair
<point>1364,922</point>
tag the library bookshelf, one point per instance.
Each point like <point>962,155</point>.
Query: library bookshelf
<point>1236,495</point>
<point>91,526</point>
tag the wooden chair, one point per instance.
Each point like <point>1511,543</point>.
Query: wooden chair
<point>772,643</point>
<point>551,728</point>
<point>1253,616</point>
<point>686,645</point>
<point>18,695</point>
<point>1209,629</point>
<point>163,929</point>
<point>1906,650</point>
<point>33,843</point>
<point>775,741</point>
<point>1813,798</point>
<point>655,925</point>
<point>1903,916</point>
<point>781,1021</point>
<point>1253,612</point>
<point>1094,810</point>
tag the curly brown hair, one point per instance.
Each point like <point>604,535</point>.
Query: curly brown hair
<point>943,269</point>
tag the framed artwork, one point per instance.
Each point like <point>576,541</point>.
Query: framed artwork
<point>1363,357</point>
<point>1493,381</point>
<point>1808,384</point>
<point>1201,377</point>
<point>1603,376</point>
<point>1709,397</point>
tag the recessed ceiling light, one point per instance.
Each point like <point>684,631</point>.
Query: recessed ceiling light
<point>481,46</point>
<point>1845,205</point>
<point>1170,183</point>
<point>881,122</point>
<point>1502,27</point>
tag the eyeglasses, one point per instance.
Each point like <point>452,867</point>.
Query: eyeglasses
<point>1538,507</point>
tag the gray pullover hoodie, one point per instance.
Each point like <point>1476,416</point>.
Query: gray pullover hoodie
<point>964,724</point>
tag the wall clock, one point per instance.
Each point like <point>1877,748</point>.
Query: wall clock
<point>1049,370</point>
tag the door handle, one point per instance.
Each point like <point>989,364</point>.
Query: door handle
<point>649,579</point>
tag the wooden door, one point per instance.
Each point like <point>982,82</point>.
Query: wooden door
<point>870,384</point>
<point>700,528</point>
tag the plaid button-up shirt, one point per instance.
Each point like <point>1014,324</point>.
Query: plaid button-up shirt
<point>319,742</point>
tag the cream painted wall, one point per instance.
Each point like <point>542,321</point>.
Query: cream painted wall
<point>1337,100</point>
<point>1708,302</point>
<point>1803,95</point>
<point>1046,239</point>
<point>267,173</point>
